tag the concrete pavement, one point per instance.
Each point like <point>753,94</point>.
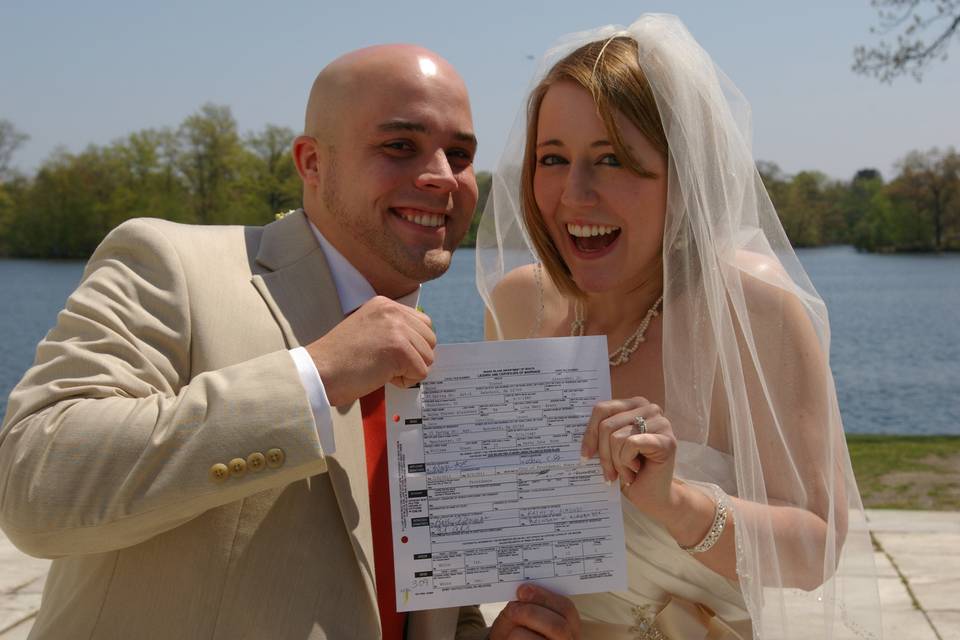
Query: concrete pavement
<point>918,562</point>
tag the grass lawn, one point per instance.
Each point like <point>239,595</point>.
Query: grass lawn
<point>907,472</point>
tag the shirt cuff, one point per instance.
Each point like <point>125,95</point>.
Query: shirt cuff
<point>319,404</point>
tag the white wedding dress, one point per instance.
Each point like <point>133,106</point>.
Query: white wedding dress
<point>662,577</point>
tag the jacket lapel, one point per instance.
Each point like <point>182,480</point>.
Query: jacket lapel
<point>295,282</point>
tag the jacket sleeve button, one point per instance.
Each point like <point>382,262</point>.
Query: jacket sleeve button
<point>256,461</point>
<point>275,458</point>
<point>238,467</point>
<point>219,472</point>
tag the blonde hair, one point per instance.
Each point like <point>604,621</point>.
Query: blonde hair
<point>610,71</point>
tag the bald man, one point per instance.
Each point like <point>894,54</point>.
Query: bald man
<point>190,446</point>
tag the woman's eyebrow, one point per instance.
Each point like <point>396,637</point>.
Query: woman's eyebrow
<point>554,142</point>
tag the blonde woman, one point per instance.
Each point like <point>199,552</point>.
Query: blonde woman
<point>627,204</point>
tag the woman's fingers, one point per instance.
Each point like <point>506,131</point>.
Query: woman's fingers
<point>652,447</point>
<point>633,445</point>
<point>601,411</point>
<point>604,450</point>
<point>625,463</point>
<point>614,435</point>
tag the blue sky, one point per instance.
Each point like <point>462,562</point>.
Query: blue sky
<point>76,73</point>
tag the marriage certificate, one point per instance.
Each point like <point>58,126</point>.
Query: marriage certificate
<point>487,489</point>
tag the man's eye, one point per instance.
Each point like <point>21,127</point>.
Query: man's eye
<point>551,160</point>
<point>461,155</point>
<point>610,160</point>
<point>399,145</point>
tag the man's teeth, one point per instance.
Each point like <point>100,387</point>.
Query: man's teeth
<point>424,219</point>
<point>588,230</point>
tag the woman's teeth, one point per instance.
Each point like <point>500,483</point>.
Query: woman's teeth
<point>424,219</point>
<point>590,230</point>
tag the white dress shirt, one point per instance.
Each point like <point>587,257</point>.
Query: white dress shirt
<point>353,290</point>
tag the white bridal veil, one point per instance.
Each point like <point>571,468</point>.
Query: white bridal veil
<point>745,343</point>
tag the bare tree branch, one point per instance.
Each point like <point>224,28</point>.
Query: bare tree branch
<point>912,54</point>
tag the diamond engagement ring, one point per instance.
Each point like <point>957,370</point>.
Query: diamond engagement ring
<point>641,424</point>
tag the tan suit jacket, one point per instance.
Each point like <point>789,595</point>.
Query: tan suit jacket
<point>171,357</point>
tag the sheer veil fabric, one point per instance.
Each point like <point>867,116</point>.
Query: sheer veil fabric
<point>745,342</point>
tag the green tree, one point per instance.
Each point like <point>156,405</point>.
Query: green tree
<point>62,213</point>
<point>775,181</point>
<point>8,209</point>
<point>145,182</point>
<point>876,229</point>
<point>803,212</point>
<point>484,182</point>
<point>854,200</point>
<point>929,183</point>
<point>275,182</point>
<point>210,157</point>
<point>10,140</point>
<point>919,210</point>
<point>11,184</point>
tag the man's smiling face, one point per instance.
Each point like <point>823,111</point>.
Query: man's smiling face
<point>397,184</point>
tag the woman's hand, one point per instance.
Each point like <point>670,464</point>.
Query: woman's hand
<point>537,613</point>
<point>643,462</point>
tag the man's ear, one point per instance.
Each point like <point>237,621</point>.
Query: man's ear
<point>307,156</point>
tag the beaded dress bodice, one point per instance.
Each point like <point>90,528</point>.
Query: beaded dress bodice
<point>658,569</point>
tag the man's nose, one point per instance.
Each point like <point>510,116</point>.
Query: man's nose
<point>578,189</point>
<point>437,174</point>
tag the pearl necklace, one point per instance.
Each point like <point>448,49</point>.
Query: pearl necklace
<point>621,355</point>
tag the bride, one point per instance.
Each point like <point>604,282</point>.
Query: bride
<point>627,203</point>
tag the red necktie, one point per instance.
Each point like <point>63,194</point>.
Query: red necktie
<point>375,442</point>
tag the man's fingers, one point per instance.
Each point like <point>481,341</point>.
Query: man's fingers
<point>418,358</point>
<point>424,328</point>
<point>419,319</point>
<point>424,350</point>
<point>545,622</point>
<point>546,598</point>
<point>419,314</point>
<point>520,633</point>
<point>414,318</point>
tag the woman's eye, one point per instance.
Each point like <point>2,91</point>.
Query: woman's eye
<point>610,160</point>
<point>551,160</point>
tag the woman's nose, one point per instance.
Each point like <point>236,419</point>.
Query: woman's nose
<point>578,189</point>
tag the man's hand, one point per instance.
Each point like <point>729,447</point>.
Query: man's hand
<point>382,341</point>
<point>537,613</point>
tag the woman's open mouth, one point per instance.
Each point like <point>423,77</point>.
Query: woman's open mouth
<point>593,240</point>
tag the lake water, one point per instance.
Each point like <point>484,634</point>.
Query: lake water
<point>895,320</point>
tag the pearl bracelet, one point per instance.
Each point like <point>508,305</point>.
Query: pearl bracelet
<point>716,528</point>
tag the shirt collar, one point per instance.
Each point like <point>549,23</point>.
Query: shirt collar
<point>353,290</point>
